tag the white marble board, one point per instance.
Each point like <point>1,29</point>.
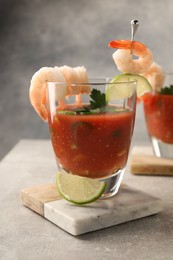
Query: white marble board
<point>129,204</point>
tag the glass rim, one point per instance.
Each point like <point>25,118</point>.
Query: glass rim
<point>93,81</point>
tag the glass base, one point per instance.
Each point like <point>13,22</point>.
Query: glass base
<point>161,149</point>
<point>112,184</point>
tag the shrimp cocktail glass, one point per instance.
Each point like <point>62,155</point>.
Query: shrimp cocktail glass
<point>91,121</point>
<point>158,109</point>
<point>91,126</point>
<point>158,103</point>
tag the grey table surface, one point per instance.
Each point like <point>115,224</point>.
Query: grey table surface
<point>26,235</point>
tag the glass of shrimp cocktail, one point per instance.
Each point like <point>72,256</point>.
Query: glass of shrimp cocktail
<point>158,110</point>
<point>91,126</point>
<point>158,103</point>
<point>91,121</point>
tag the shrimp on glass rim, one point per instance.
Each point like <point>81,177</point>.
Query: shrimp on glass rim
<point>37,92</point>
<point>64,74</point>
<point>123,57</point>
<point>76,75</point>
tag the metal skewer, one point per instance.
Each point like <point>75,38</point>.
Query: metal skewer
<point>134,27</point>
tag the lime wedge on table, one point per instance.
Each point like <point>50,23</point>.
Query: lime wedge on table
<point>118,91</point>
<point>79,190</point>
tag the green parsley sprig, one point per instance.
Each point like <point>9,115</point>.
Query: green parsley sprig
<point>98,99</point>
<point>167,90</point>
<point>97,103</point>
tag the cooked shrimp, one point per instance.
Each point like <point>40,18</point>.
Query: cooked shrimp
<point>82,78</point>
<point>70,76</point>
<point>37,91</point>
<point>124,56</point>
<point>66,75</point>
<point>75,75</point>
<point>156,76</point>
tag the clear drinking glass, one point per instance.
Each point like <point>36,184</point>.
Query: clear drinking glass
<point>92,143</point>
<point>158,110</point>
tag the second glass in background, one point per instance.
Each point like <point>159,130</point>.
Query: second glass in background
<point>158,109</point>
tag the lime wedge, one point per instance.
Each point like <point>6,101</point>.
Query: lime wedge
<point>122,91</point>
<point>79,190</point>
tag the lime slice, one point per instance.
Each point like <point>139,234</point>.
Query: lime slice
<point>79,190</point>
<point>121,90</point>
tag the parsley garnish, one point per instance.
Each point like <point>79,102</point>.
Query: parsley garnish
<point>98,99</point>
<point>97,103</point>
<point>167,90</point>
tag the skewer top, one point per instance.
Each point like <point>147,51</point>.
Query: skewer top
<point>134,27</point>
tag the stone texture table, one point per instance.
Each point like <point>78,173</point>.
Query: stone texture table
<point>27,235</point>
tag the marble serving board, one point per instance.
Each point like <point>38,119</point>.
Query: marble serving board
<point>129,204</point>
<point>143,161</point>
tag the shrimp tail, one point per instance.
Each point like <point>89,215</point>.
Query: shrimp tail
<point>120,44</point>
<point>128,45</point>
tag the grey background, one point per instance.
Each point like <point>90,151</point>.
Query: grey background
<point>39,33</point>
